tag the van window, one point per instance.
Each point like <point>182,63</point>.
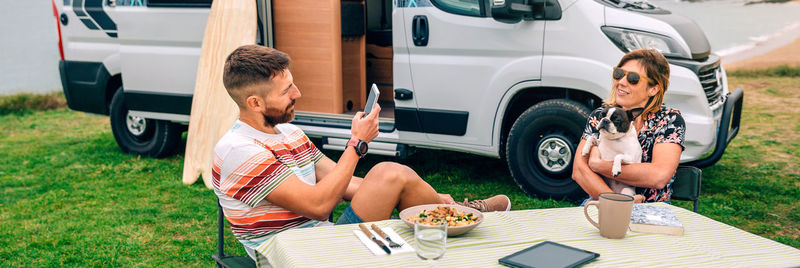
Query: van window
<point>461,7</point>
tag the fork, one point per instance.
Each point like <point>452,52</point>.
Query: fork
<point>380,232</point>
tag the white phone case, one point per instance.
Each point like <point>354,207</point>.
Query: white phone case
<point>374,93</point>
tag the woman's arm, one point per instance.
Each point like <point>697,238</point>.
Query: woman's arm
<point>589,181</point>
<point>666,157</point>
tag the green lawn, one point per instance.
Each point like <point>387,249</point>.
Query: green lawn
<point>71,198</point>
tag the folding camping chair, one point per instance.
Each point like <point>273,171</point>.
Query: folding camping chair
<point>225,260</point>
<point>687,184</point>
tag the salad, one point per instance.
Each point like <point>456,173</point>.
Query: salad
<point>441,214</point>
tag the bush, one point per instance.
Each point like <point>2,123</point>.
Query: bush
<point>27,102</point>
<point>777,71</point>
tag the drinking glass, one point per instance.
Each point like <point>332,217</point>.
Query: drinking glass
<point>431,240</point>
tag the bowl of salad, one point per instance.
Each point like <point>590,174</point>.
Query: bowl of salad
<point>459,219</point>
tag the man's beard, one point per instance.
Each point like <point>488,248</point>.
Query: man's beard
<point>273,116</point>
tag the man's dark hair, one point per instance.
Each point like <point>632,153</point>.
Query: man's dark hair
<point>249,65</point>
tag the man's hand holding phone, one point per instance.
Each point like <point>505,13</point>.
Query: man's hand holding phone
<point>366,128</point>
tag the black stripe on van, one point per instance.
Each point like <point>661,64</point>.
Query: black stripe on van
<point>158,102</point>
<point>96,12</point>
<point>431,121</point>
<point>77,7</point>
<point>89,24</point>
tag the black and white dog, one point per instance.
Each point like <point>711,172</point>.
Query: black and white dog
<point>618,142</point>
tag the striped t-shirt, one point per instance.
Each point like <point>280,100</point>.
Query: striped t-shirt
<point>248,166</point>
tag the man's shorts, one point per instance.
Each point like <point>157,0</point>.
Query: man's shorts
<point>349,216</point>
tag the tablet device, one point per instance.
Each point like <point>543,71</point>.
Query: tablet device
<point>548,254</point>
<point>374,93</point>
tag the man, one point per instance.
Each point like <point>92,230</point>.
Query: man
<point>269,177</point>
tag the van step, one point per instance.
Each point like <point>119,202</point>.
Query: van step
<point>375,147</point>
<point>318,121</point>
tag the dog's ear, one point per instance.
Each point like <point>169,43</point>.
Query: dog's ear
<point>604,109</point>
<point>633,113</point>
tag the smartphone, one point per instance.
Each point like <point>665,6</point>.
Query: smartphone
<point>374,93</point>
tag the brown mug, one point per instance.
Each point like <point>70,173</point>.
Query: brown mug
<point>614,213</point>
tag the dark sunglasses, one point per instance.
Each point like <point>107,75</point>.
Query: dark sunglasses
<point>633,77</point>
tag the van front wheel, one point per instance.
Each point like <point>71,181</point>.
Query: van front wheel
<point>148,137</point>
<point>541,146</point>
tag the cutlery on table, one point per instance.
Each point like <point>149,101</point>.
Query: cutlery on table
<point>371,236</point>
<point>382,234</point>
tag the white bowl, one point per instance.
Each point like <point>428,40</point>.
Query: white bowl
<point>451,230</point>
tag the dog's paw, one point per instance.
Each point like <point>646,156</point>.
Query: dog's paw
<point>585,150</point>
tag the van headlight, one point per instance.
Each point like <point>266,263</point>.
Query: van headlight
<point>628,40</point>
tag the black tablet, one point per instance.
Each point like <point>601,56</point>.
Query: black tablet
<point>548,254</point>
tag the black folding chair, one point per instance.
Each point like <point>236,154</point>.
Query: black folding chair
<point>687,184</point>
<point>225,260</point>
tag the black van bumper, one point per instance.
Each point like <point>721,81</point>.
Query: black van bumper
<point>727,130</point>
<point>84,85</point>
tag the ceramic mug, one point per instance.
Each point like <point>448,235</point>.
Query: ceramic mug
<point>614,213</point>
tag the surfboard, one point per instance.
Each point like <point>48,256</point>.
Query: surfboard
<point>231,23</point>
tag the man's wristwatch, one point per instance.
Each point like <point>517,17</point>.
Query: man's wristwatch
<point>360,146</point>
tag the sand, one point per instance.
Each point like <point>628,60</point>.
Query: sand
<point>785,55</point>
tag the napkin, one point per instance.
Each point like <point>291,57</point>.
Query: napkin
<point>376,249</point>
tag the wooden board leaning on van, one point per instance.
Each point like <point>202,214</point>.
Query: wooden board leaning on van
<point>231,23</point>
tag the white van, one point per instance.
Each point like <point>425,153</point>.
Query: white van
<point>513,79</point>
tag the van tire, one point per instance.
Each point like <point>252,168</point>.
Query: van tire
<point>147,137</point>
<point>554,126</point>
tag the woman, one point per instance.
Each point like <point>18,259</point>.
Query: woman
<point>640,80</point>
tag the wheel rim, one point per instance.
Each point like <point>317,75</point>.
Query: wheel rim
<point>554,154</point>
<point>136,125</point>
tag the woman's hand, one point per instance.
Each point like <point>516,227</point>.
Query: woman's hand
<point>595,162</point>
<point>582,173</point>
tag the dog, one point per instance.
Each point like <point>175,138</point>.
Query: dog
<point>618,142</point>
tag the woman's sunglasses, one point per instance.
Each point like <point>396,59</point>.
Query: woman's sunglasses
<point>633,77</point>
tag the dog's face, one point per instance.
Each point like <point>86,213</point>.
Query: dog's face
<point>616,121</point>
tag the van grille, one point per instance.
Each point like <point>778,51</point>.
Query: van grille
<point>711,86</point>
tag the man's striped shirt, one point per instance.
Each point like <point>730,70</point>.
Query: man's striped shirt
<point>248,166</point>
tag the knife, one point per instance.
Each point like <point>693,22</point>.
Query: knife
<point>371,236</point>
<point>386,237</point>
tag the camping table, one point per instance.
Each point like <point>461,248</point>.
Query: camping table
<point>706,243</point>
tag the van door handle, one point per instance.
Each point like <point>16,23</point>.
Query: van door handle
<point>403,94</point>
<point>419,30</point>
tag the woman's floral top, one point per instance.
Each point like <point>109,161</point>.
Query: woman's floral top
<point>664,126</point>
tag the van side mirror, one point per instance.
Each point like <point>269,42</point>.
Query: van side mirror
<point>513,11</point>
<point>546,10</point>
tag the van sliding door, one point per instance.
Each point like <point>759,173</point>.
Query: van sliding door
<point>462,61</point>
<point>160,44</point>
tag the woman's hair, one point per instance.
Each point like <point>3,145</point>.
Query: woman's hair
<point>657,68</point>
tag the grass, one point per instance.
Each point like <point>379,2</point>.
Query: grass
<point>72,198</point>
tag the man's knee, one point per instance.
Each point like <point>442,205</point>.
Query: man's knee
<point>394,172</point>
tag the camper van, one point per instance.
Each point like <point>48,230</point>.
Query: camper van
<point>511,79</point>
